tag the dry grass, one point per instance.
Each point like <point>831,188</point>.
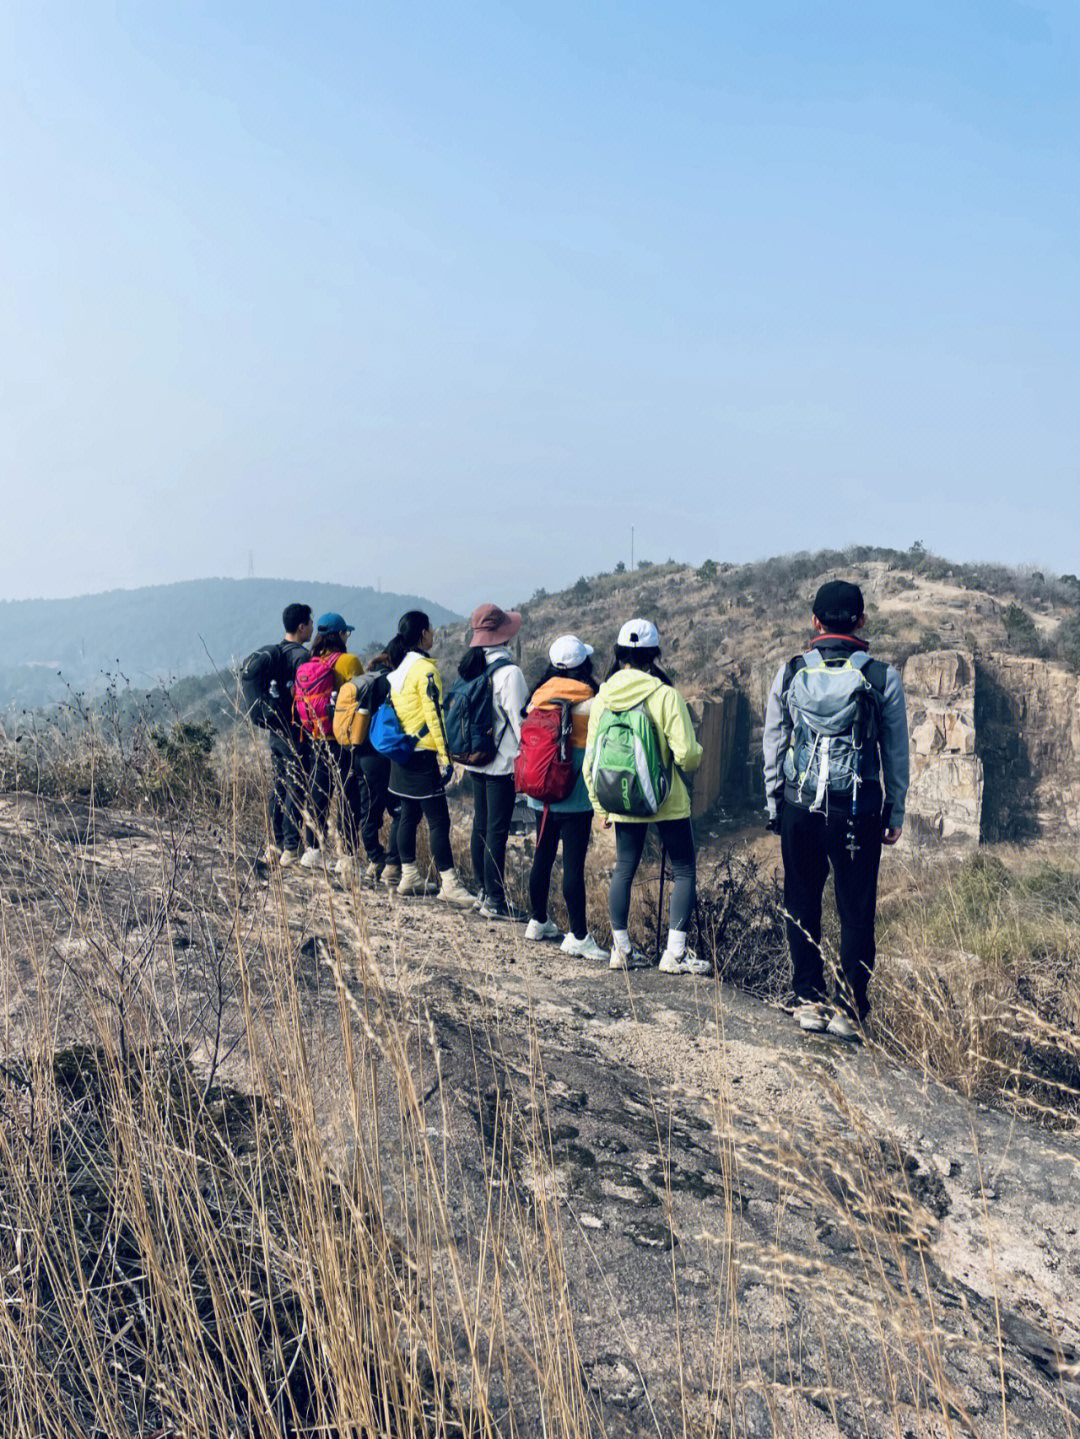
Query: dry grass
<point>224,1211</point>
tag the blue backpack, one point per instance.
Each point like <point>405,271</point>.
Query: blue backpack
<point>387,736</point>
<point>469,719</point>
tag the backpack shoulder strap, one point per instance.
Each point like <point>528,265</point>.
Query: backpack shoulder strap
<point>876,673</point>
<point>791,669</point>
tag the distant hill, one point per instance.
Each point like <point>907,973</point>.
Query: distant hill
<point>719,621</point>
<point>165,632</point>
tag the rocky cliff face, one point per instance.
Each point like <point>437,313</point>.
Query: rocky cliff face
<point>946,795</point>
<point>1027,719</point>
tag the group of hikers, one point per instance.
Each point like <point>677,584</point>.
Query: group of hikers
<point>386,737</point>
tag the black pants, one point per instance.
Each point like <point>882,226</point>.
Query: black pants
<point>373,777</point>
<point>573,830</point>
<point>677,837</point>
<point>287,800</point>
<point>437,813</point>
<point>335,771</point>
<point>493,809</point>
<point>811,844</point>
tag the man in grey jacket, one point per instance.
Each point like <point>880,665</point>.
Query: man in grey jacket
<point>836,780</point>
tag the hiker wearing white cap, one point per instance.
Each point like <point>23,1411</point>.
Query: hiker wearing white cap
<point>640,743</point>
<point>549,774</point>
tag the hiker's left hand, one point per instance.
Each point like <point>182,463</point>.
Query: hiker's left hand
<point>890,836</point>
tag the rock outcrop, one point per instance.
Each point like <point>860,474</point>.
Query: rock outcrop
<point>945,799</point>
<point>1027,718</point>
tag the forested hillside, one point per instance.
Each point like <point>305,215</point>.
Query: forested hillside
<point>168,631</point>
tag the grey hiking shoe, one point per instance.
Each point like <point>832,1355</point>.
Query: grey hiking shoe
<point>632,958</point>
<point>810,1015</point>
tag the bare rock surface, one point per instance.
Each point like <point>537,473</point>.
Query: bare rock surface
<point>762,1232</point>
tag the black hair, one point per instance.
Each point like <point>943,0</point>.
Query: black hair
<point>472,663</point>
<point>640,657</point>
<point>293,616</point>
<point>583,673</point>
<point>411,628</point>
<point>328,642</point>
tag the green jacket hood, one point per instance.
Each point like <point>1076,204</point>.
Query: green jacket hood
<point>628,688</point>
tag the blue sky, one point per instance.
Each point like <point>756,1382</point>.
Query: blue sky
<point>449,297</point>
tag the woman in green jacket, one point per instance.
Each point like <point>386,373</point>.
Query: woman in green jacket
<point>636,680</point>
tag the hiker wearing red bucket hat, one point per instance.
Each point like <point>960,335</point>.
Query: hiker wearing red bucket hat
<point>483,727</point>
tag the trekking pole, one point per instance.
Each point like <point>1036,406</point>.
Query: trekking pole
<point>660,901</point>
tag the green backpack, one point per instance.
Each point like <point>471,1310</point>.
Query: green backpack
<point>629,776</point>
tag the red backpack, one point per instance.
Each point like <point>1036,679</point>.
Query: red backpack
<point>544,768</point>
<point>313,694</point>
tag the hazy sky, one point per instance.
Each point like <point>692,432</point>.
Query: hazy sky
<point>448,296</point>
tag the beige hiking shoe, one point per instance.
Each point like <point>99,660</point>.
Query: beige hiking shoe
<point>391,876</point>
<point>412,882</point>
<point>452,891</point>
<point>288,857</point>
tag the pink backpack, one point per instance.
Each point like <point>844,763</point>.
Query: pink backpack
<point>313,694</point>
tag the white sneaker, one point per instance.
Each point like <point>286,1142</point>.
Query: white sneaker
<point>452,891</point>
<point>288,857</point>
<point>586,948</point>
<point>685,963</point>
<point>311,859</point>
<point>810,1015</point>
<point>542,929</point>
<point>633,958</point>
<point>412,882</point>
<point>843,1027</point>
<point>271,854</point>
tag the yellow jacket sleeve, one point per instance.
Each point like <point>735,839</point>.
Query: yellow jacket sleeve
<point>431,703</point>
<point>677,728</point>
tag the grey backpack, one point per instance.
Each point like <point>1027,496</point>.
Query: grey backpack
<point>833,708</point>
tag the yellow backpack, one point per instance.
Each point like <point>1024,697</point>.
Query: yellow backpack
<point>357,700</point>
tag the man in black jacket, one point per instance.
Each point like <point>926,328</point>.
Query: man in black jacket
<point>287,750</point>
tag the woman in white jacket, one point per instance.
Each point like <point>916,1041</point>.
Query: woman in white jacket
<point>493,783</point>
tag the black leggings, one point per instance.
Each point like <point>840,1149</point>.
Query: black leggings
<point>493,809</point>
<point>574,831</point>
<point>374,801</point>
<point>437,813</point>
<point>677,838</point>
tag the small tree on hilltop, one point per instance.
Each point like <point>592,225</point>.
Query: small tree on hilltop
<point>708,570</point>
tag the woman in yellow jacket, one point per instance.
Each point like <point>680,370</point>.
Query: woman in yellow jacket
<point>420,782</point>
<point>636,680</point>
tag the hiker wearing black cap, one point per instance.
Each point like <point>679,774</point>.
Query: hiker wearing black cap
<point>836,781</point>
<point>267,679</point>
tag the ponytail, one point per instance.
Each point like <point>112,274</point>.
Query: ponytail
<point>412,626</point>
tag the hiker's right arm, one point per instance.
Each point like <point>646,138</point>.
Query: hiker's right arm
<point>773,745</point>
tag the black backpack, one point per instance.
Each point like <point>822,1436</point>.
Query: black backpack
<point>265,688</point>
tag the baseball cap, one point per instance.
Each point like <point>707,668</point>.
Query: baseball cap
<point>639,635</point>
<point>839,604</point>
<point>568,652</point>
<point>332,623</point>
